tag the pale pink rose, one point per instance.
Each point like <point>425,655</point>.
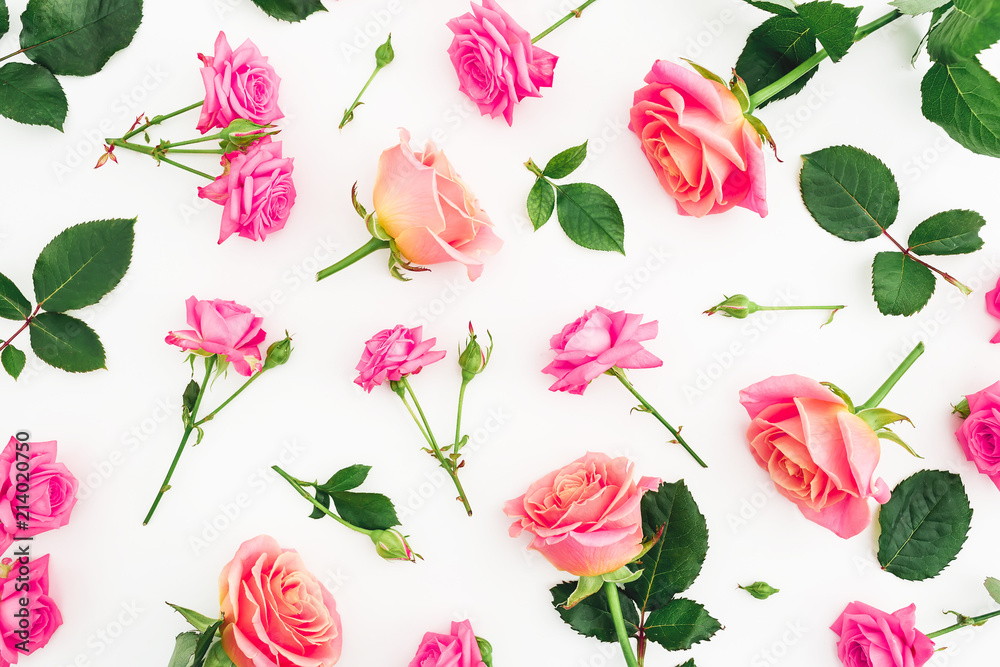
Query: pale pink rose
<point>392,354</point>
<point>50,494</point>
<point>225,328</point>
<point>819,455</point>
<point>497,64</point>
<point>26,585</point>
<point>993,307</point>
<point>979,434</point>
<point>585,517</point>
<point>597,341</point>
<point>869,637</point>
<point>458,649</point>
<point>430,213</point>
<point>255,189</point>
<point>238,84</point>
<point>692,130</point>
<point>275,612</point>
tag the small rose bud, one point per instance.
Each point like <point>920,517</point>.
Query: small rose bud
<point>391,545</point>
<point>472,359</point>
<point>384,53</point>
<point>242,133</point>
<point>738,306</point>
<point>278,353</point>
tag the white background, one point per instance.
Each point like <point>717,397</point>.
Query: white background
<point>118,429</point>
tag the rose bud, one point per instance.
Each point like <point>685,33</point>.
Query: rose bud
<point>391,545</point>
<point>738,306</point>
<point>278,353</point>
<point>472,359</point>
<point>241,132</point>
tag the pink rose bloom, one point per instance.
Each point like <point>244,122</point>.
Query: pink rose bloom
<point>394,353</point>
<point>819,455</point>
<point>430,213</point>
<point>43,614</point>
<point>256,190</point>
<point>458,649</point>
<point>585,517</point>
<point>979,434</point>
<point>594,343</point>
<point>51,492</point>
<point>225,328</point>
<point>706,155</point>
<point>238,84</point>
<point>869,637</point>
<point>275,612</point>
<point>993,307</point>
<point>497,64</point>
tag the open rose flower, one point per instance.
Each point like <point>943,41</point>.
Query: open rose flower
<point>394,353</point>
<point>993,307</point>
<point>225,328</point>
<point>497,64</point>
<point>585,517</point>
<point>979,434</point>
<point>705,153</point>
<point>430,213</point>
<point>457,649</point>
<point>275,612</point>
<point>819,455</point>
<point>238,84</point>
<point>593,343</point>
<point>869,637</point>
<point>51,492</point>
<point>255,190</point>
<point>25,585</point>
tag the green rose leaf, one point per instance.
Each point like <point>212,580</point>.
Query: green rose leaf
<point>590,217</point>
<point>205,643</point>
<point>346,479</point>
<point>993,588</point>
<point>900,284</point>
<point>13,361</point>
<point>183,649</point>
<point>290,10</point>
<point>592,617</point>
<point>924,525</point>
<point>954,232</point>
<point>79,37</point>
<point>680,624</point>
<point>29,94</point>
<point>833,25</point>
<point>83,263</point>
<point>13,304</point>
<point>970,27</point>
<point>541,202</point>
<point>773,49</point>
<point>217,657</point>
<point>964,99</point>
<point>199,622</point>
<point>760,590</point>
<point>565,163</point>
<point>371,511</point>
<point>689,663</point>
<point>324,499</point>
<point>675,561</point>
<point>779,7</point>
<point>915,7</point>
<point>4,18</point>
<point>67,343</point>
<point>849,192</point>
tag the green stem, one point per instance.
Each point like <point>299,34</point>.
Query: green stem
<point>800,307</point>
<point>767,92</point>
<point>156,120</point>
<point>297,485</point>
<point>200,140</point>
<point>887,386</point>
<point>229,400</point>
<point>614,604</point>
<point>620,374</point>
<point>363,251</point>
<point>209,364</point>
<point>438,454</point>
<point>458,420</point>
<point>27,323</point>
<point>193,151</point>
<point>975,620</point>
<point>357,100</point>
<point>154,153</point>
<point>573,14</point>
<point>416,419</point>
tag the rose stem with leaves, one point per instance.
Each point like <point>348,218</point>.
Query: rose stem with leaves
<point>27,323</point>
<point>299,485</point>
<point>615,606</point>
<point>909,253</point>
<point>887,386</point>
<point>573,14</point>
<point>425,429</point>
<point>158,152</point>
<point>383,56</point>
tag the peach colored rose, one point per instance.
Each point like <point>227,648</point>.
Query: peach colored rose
<point>869,637</point>
<point>457,649</point>
<point>979,434</point>
<point>238,84</point>
<point>50,494</point>
<point>394,353</point>
<point>225,328</point>
<point>25,585</point>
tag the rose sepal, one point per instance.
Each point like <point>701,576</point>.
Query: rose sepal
<point>962,408</point>
<point>889,434</point>
<point>198,621</point>
<point>841,393</point>
<point>486,651</point>
<point>878,418</point>
<point>587,586</point>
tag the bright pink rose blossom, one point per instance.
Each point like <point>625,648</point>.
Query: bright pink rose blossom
<point>585,517</point>
<point>43,614</point>
<point>979,433</point>
<point>497,64</point>
<point>594,343</point>
<point>394,353</point>
<point>225,328</point>
<point>255,189</point>
<point>993,307</point>
<point>51,491</point>
<point>819,455</point>
<point>458,649</point>
<point>869,637</point>
<point>238,84</point>
<point>692,130</point>
<point>275,612</point>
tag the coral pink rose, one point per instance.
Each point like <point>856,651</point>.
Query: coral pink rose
<point>50,496</point>
<point>869,637</point>
<point>458,649</point>
<point>394,353</point>
<point>979,434</point>
<point>238,84</point>
<point>692,130</point>
<point>255,189</point>
<point>497,64</point>
<point>225,328</point>
<point>430,213</point>
<point>993,307</point>
<point>585,517</point>
<point>25,584</point>
<point>275,612</point>
<point>819,455</point>
<point>594,343</point>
